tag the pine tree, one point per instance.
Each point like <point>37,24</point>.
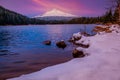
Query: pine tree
<point>116,15</point>
<point>108,17</point>
<point>116,7</point>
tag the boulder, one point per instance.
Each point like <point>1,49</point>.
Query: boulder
<point>61,44</point>
<point>78,54</point>
<point>48,42</point>
<point>76,36</point>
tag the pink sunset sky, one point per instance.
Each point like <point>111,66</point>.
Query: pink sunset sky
<point>32,8</point>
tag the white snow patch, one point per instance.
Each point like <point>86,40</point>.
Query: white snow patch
<point>77,35</point>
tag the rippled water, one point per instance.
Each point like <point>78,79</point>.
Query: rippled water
<point>33,35</point>
<point>22,49</point>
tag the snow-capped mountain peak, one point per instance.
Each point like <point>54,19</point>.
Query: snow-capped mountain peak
<point>56,12</point>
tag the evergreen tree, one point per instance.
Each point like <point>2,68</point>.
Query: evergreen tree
<point>108,17</point>
<point>116,15</point>
<point>116,7</point>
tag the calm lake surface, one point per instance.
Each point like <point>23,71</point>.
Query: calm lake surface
<point>22,50</point>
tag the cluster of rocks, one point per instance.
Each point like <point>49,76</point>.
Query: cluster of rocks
<point>82,41</point>
<point>78,39</point>
<point>59,44</point>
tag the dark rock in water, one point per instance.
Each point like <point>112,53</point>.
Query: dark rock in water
<point>78,54</point>
<point>61,44</point>
<point>48,42</point>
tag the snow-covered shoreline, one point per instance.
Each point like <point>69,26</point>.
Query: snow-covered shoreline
<point>102,63</point>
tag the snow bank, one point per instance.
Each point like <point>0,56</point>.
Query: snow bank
<point>77,35</point>
<point>103,63</point>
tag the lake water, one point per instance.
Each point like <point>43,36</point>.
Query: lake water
<point>22,49</point>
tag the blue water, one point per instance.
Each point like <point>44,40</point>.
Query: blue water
<point>23,50</point>
<point>33,35</point>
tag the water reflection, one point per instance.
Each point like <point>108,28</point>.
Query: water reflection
<point>55,32</point>
<point>55,29</point>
